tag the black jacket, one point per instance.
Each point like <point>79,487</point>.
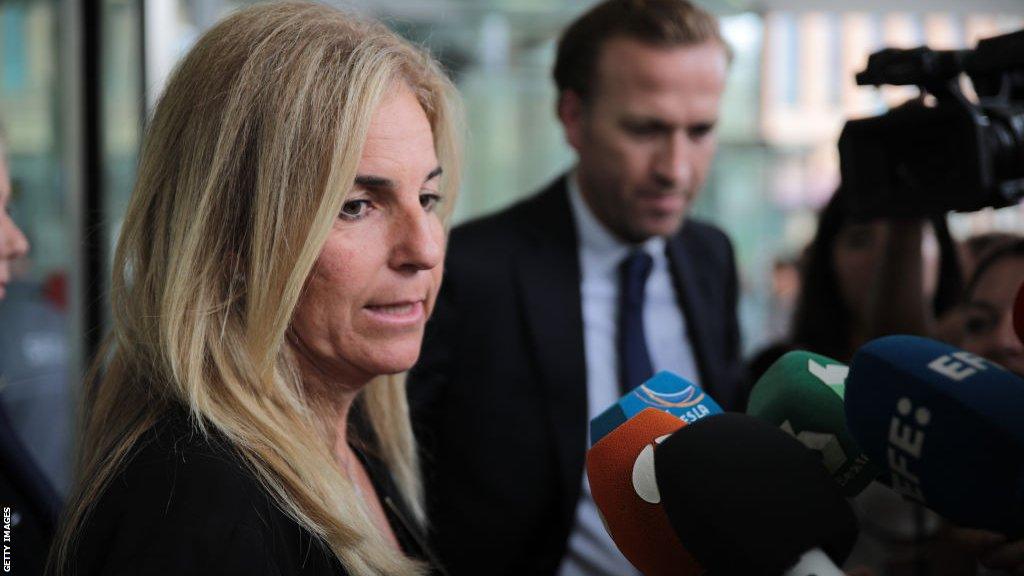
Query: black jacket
<point>187,505</point>
<point>499,395</point>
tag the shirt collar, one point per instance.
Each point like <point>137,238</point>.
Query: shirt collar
<point>595,238</point>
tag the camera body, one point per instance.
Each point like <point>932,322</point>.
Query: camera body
<point>927,158</point>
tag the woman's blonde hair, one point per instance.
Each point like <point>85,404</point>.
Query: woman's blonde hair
<point>246,164</point>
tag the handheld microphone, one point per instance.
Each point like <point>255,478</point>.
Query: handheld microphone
<point>946,424</point>
<point>664,391</point>
<point>746,498</point>
<point>620,469</point>
<point>802,393</point>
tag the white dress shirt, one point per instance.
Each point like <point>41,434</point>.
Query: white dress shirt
<point>591,551</point>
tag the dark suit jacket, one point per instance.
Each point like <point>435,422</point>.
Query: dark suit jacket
<point>499,395</point>
<point>188,505</point>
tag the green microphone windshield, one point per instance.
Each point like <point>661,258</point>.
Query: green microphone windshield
<point>802,393</point>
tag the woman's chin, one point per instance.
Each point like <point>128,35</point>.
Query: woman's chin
<point>388,362</point>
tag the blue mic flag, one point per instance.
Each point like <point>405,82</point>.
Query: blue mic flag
<point>664,391</point>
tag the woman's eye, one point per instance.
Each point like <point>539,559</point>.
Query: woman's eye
<point>430,201</point>
<point>354,209</point>
<point>977,325</point>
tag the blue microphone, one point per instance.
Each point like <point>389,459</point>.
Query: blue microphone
<point>947,425</point>
<point>664,391</point>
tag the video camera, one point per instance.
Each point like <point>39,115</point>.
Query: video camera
<point>928,157</point>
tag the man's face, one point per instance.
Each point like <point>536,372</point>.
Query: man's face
<point>646,137</point>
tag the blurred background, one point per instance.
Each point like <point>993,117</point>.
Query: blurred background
<point>77,79</point>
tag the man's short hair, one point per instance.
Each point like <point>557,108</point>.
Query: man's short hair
<point>660,23</point>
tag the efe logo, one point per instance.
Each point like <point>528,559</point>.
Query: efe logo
<point>959,365</point>
<point>906,442</point>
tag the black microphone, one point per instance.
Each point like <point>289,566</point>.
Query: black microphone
<point>744,497</point>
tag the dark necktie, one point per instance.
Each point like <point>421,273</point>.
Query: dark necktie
<point>634,360</point>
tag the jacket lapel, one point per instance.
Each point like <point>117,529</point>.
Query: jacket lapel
<point>549,275</point>
<point>686,275</point>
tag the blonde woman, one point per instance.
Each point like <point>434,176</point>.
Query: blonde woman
<point>278,260</point>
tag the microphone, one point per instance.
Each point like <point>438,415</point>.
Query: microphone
<point>664,391</point>
<point>746,498</point>
<point>802,393</point>
<point>947,426</point>
<point>620,469</point>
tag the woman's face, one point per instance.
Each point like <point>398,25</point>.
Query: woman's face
<point>13,244</point>
<point>856,254</point>
<point>365,304</point>
<point>988,316</point>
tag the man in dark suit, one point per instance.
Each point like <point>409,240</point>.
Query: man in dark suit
<point>553,307</point>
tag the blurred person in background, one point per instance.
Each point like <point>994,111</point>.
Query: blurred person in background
<point>35,367</point>
<point>13,244</point>
<point>951,328</point>
<point>280,254</point>
<point>28,503</point>
<point>555,307</point>
<point>863,278</point>
<point>988,305</point>
<point>987,316</point>
<point>847,265</point>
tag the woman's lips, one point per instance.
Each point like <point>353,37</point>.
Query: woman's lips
<point>407,312</point>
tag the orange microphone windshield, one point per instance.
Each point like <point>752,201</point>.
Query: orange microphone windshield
<point>620,469</point>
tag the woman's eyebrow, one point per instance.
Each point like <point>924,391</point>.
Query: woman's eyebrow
<point>370,181</point>
<point>380,182</point>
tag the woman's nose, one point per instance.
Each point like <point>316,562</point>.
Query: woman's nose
<point>419,241</point>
